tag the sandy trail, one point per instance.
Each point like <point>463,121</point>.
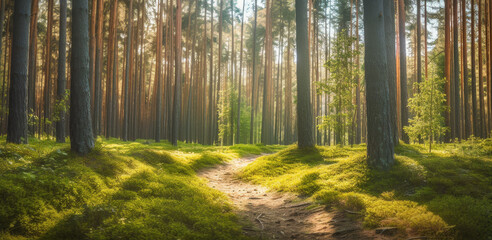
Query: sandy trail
<point>279,215</point>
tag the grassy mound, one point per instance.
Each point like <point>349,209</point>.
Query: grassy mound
<point>446,193</point>
<point>121,190</point>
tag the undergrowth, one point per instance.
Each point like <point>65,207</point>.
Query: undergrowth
<point>122,190</point>
<point>443,194</point>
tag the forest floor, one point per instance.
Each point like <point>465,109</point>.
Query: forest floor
<point>145,190</point>
<point>282,215</point>
<point>443,194</point>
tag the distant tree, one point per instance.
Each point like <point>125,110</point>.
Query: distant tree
<point>238,127</point>
<point>455,92</point>
<point>17,120</point>
<point>380,147</point>
<point>447,67</point>
<point>32,75</point>
<point>267,120</point>
<point>476,121</point>
<point>62,81</point>
<point>158,75</point>
<point>304,109</point>
<point>464,72</point>
<point>81,138</point>
<point>177,85</point>
<point>340,85</point>
<point>403,68</point>
<point>253,77</point>
<point>47,118</point>
<point>126,115</point>
<point>428,104</point>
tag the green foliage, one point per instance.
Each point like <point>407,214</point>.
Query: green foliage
<point>428,105</point>
<point>61,106</point>
<point>340,85</point>
<point>121,190</point>
<point>444,194</point>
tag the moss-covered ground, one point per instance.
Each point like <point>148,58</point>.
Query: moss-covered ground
<point>121,190</point>
<point>443,194</point>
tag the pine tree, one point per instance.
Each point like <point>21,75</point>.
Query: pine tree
<point>304,110</point>
<point>81,138</point>
<point>380,147</point>
<point>17,120</point>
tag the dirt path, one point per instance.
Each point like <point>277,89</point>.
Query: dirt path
<point>278,215</point>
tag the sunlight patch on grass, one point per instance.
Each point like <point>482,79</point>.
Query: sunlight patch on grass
<point>124,190</point>
<point>446,193</point>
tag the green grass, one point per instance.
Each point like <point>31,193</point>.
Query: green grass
<point>443,194</point>
<point>122,190</point>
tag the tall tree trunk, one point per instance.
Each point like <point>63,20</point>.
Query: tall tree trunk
<point>81,139</point>
<point>96,121</point>
<point>210,95</point>
<point>447,68</point>
<point>127,74</point>
<point>240,82</point>
<point>191,97</point>
<point>92,51</point>
<point>110,69</point>
<point>456,67</point>
<point>33,49</point>
<point>6,76</point>
<point>47,76</point>
<point>358,134</point>
<point>389,27</point>
<point>268,111</point>
<point>425,41</point>
<point>483,130</point>
<point>403,70</point>
<point>233,77</point>
<point>380,148</point>
<point>62,81</point>
<point>177,85</point>
<point>251,129</point>
<point>288,91</point>
<point>304,110</point>
<point>17,120</point>
<point>476,122</point>
<point>464,84</point>
<point>158,76</point>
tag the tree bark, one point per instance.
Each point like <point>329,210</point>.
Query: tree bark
<point>127,74</point>
<point>456,67</point>
<point>17,120</point>
<point>81,139</point>
<point>251,129</point>
<point>380,148</point>
<point>47,70</point>
<point>403,70</point>
<point>158,76</point>
<point>447,68</point>
<point>464,84</point>
<point>268,110</point>
<point>476,122</point>
<point>33,49</point>
<point>238,124</point>
<point>177,85</point>
<point>304,110</point>
<point>98,70</point>
<point>389,27</point>
<point>481,98</point>
<point>62,81</point>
